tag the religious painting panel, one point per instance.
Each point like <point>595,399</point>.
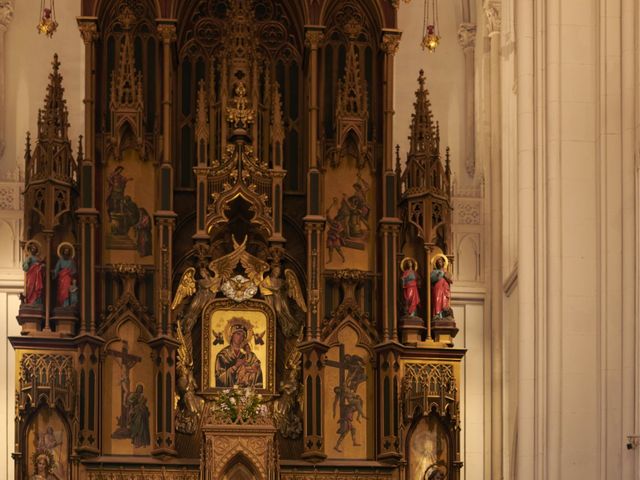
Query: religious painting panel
<point>128,393</point>
<point>428,450</point>
<point>129,204</point>
<point>348,396</point>
<point>238,346</point>
<point>351,216</point>
<point>47,446</point>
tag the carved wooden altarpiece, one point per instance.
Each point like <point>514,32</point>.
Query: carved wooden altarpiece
<point>224,282</point>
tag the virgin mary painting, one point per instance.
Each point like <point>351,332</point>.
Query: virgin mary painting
<point>236,364</point>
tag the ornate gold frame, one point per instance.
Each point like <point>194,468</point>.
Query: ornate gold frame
<point>208,390</point>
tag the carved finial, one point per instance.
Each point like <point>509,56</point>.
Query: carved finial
<point>240,116</point>
<point>27,150</point>
<point>352,90</point>
<point>80,155</point>
<point>126,17</point>
<point>53,117</point>
<point>202,124</point>
<point>126,87</point>
<point>423,131</point>
<point>277,122</point>
<point>447,161</point>
<point>398,169</point>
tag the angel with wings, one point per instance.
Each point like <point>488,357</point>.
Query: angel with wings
<point>204,289</point>
<point>276,290</point>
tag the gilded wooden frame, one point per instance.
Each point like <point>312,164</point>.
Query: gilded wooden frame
<point>260,306</point>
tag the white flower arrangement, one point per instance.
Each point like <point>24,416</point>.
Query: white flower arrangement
<point>235,404</point>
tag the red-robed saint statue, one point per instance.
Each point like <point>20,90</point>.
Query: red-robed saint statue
<point>64,274</point>
<point>440,289</point>
<point>410,286</point>
<point>33,267</point>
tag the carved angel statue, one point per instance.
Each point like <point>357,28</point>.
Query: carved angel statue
<point>284,407</point>
<point>206,287</point>
<point>276,290</point>
<point>189,404</point>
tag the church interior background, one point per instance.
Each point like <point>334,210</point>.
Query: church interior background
<point>260,239</point>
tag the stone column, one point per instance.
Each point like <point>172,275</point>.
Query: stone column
<point>467,40</point>
<point>526,452</point>
<point>389,224</point>
<point>492,12</point>
<point>6,15</point>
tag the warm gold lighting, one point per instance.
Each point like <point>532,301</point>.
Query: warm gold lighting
<point>47,23</point>
<point>431,40</point>
<point>430,34</point>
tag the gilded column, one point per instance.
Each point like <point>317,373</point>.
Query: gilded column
<point>88,217</point>
<point>313,349</point>
<point>314,220</point>
<point>164,345</point>
<point>389,225</point>
<point>388,439</point>
<point>87,212</point>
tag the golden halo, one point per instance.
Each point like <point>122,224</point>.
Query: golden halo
<point>238,321</point>
<point>66,244</point>
<point>435,258</point>
<point>404,262</point>
<point>32,242</point>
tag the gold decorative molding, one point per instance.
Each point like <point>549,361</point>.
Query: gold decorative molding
<point>428,387</point>
<point>390,42</point>
<point>313,38</point>
<point>143,473</point>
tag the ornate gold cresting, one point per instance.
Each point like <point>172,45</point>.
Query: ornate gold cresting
<point>244,170</point>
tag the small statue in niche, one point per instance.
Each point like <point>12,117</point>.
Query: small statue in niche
<point>276,289</point>
<point>64,274</point>
<point>43,464</point>
<point>440,288</point>
<point>33,267</point>
<point>410,286</point>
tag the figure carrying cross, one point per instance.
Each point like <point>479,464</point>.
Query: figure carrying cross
<point>351,374</point>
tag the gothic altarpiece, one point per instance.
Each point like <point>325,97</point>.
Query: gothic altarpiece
<point>233,277</point>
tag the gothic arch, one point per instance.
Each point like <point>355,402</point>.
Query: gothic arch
<point>240,468</point>
<point>372,8</point>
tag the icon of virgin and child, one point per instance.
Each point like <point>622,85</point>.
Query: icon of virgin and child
<point>236,363</point>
